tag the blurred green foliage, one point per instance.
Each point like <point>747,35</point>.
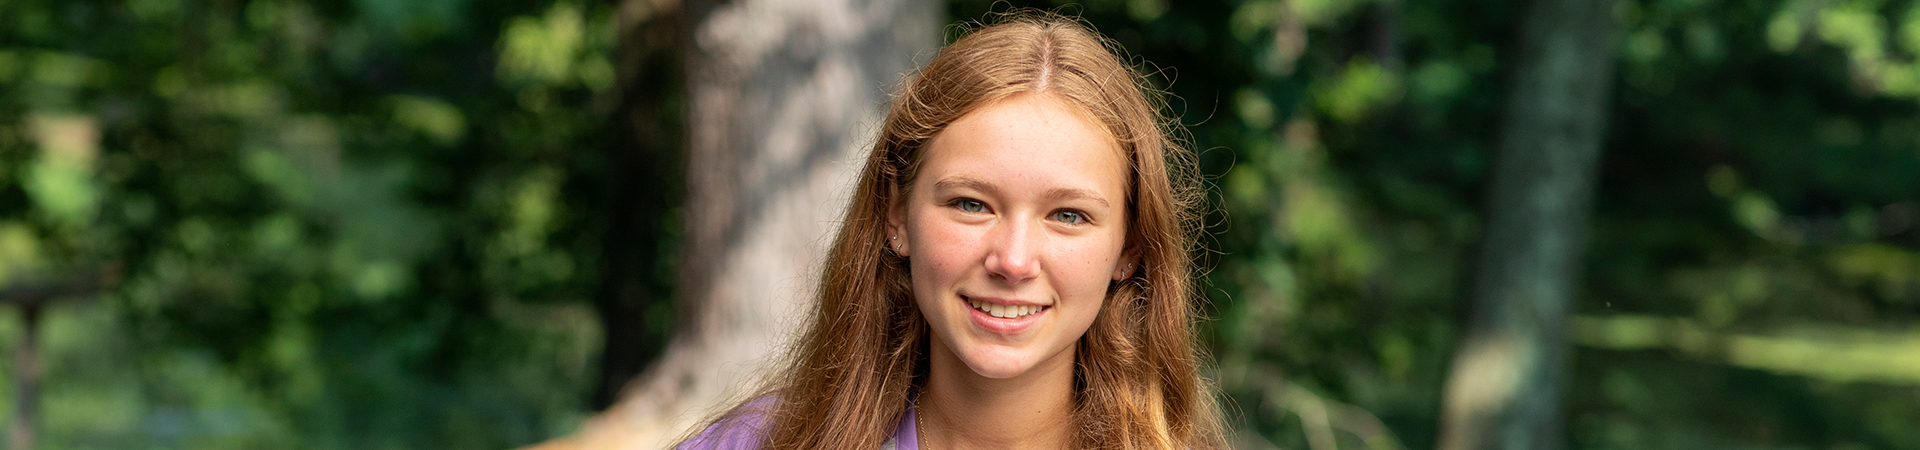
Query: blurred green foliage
<point>1752,281</point>
<point>373,224</point>
<point>363,224</point>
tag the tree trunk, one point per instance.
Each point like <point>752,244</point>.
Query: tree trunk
<point>1504,389</point>
<point>783,96</point>
<point>646,161</point>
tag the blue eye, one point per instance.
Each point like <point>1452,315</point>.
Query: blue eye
<point>971,205</point>
<point>1071,217</point>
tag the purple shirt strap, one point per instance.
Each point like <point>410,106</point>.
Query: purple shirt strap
<point>746,429</point>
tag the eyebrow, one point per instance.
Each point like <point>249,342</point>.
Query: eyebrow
<point>1054,194</point>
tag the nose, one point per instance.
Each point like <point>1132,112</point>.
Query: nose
<point>1014,256</point>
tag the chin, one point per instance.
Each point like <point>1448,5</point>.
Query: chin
<point>999,370</point>
<point>1001,363</point>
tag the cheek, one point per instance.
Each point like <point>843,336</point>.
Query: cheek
<point>1083,276</point>
<point>1085,267</point>
<point>942,253</point>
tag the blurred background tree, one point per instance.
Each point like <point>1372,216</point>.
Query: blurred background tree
<point>1510,364</point>
<point>781,98</point>
<point>371,224</point>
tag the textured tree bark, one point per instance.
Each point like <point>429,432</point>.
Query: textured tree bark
<point>783,96</point>
<point>1504,389</point>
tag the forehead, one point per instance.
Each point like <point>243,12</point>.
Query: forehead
<point>1029,138</point>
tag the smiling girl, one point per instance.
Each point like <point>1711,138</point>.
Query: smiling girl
<point>1014,271</point>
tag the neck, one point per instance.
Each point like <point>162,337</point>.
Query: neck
<point>959,409</point>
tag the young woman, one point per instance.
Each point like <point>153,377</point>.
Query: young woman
<point>1014,270</point>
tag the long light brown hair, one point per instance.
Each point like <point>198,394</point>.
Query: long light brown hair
<point>1137,383</point>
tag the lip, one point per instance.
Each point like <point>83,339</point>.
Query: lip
<point>1003,325</point>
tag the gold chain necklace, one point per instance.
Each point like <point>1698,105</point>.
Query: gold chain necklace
<point>919,424</point>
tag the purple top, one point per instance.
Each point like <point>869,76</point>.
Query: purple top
<point>745,429</point>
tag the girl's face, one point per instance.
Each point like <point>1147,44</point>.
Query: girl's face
<point>1013,230</point>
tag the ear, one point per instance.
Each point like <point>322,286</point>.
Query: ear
<point>1128,263</point>
<point>896,238</point>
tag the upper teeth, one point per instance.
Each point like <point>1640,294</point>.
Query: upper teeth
<point>1004,311</point>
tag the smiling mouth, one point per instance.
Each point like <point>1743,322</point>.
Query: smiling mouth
<point>1005,311</point>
